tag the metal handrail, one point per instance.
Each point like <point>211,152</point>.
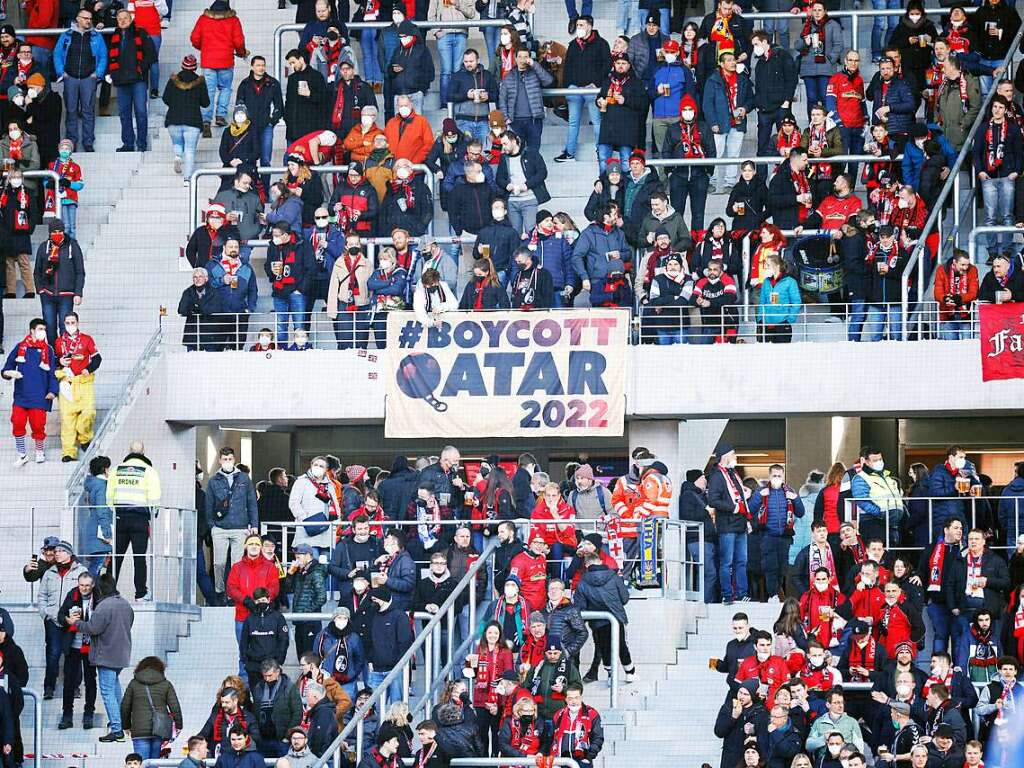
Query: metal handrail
<point>447,607</point>
<point>52,176</point>
<point>673,162</point>
<point>76,482</point>
<point>198,173</point>
<point>978,232</point>
<point>940,201</point>
<point>458,762</point>
<point>37,724</point>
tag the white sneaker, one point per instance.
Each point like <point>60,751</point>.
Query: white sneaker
<point>40,457</point>
<point>630,677</point>
<point>165,23</point>
<point>177,165</point>
<point>21,460</point>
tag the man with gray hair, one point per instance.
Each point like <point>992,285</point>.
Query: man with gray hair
<point>449,487</point>
<point>323,726</point>
<point>278,707</point>
<point>200,304</point>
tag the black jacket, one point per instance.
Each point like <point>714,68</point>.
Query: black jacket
<point>456,734</point>
<point>726,517</point>
<point>754,195</point>
<point>533,287</point>
<point>597,199</point>
<point>201,247</point>
<point>997,586</point>
<point>264,636</point>
<point>469,208</point>
<point>535,170</point>
<point>492,296</point>
<point>323,726</point>
<point>67,277</point>
<point>45,115</point>
<point>185,95</point>
<point>391,636</point>
<point>602,589</point>
<point>245,147</point>
<point>731,730</point>
<point>989,286</point>
<point>417,66</point>
<point>304,114</point>
<point>674,147</point>
<point>130,67</point>
<point>463,81</point>
<point>398,489</point>
<point>503,240</point>
<point>853,249</point>
<point>782,203</point>
<point>349,555</point>
<point>357,94</point>
<point>586,62</point>
<point>693,504</point>
<point>262,99</point>
<point>775,80</point>
<point>622,125</point>
<point>1006,19</point>
<point>413,220</point>
<point>565,621</point>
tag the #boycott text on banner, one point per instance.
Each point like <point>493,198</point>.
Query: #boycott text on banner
<point>1002,341</point>
<point>506,374</point>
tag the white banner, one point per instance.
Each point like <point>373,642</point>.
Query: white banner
<point>507,374</point>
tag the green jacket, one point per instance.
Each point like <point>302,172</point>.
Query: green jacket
<point>286,711</point>
<point>543,677</point>
<point>136,713</point>
<point>308,589</point>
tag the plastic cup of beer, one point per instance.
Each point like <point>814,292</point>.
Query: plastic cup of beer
<point>741,208</point>
<point>963,484</point>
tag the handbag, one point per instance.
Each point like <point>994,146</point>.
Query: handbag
<point>316,529</point>
<point>163,727</point>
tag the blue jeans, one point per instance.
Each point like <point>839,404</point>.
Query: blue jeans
<point>815,86</point>
<point>491,40</point>
<point>529,130</point>
<point>853,144</point>
<point>985,81</point>
<point>475,129</point>
<point>604,151</point>
<point>149,748</point>
<point>954,330</point>
<point>203,579</point>
<point>218,87</point>
<point>93,563</point>
<point>641,16</point>
<point>238,640</point>
<point>997,197</point>
<point>55,309</point>
<point>110,692</point>
<point>69,215</point>
<point>732,564</point>
<point>883,25</point>
<point>586,9</point>
<point>394,690</point>
<point>368,46</point>
<point>710,570</point>
<point>942,625</point>
<point>625,17</point>
<point>154,71</point>
<point>54,638</point>
<point>134,99</point>
<point>669,336</point>
<point>185,139</point>
<point>576,105</point>
<point>291,307</point>
<point>449,50</point>
<point>80,96</point>
<point>876,322</point>
<point>775,560</point>
<point>858,312</point>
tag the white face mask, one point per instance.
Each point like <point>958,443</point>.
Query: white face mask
<point>317,471</point>
<point>903,203</point>
<point>959,462</point>
<point>670,58</point>
<point>366,120</point>
<point>497,215</point>
<point>760,50</point>
<point>914,18</point>
<point>16,183</point>
<point>40,334</point>
<point>405,110</point>
<point>265,341</point>
<point>878,466</point>
<point>775,482</point>
<point>904,690</point>
<point>240,117</point>
<point>763,656</point>
<point>582,33</point>
<point>228,466</point>
<point>387,266</point>
<point>15,135</point>
<point>402,173</point>
<point>688,115</point>
<point>506,38</point>
<point>280,239</point>
<point>33,93</point>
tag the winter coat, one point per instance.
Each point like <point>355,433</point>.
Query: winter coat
<point>622,124</point>
<point>110,633</point>
<point>942,485</point>
<point>244,147</point>
<point>782,202</point>
<point>417,68</point>
<point>323,727</point>
<point>533,79</point>
<point>391,636</point>
<point>727,519</point>
<point>786,309</point>
<point>775,80</point>
<point>555,255</point>
<point>340,296</point>
<point>398,490</point>
<point>248,575</point>
<point>534,169</point>
<point>639,53</point>
<point>409,138</point>
<point>543,676</point>
<point>231,506</point>
<point>602,589</point>
<point>246,203</point>
<point>1006,20</point>
<point>245,719</point>
<point>306,114</point>
<point>586,62</point>
<point>901,103</point>
<point>199,312</point>
<point>680,81</point>
<point>678,232</point>
<point>606,195</point>
<point>218,37</point>
<point>100,517</point>
<point>754,195</point>
<point>732,730</point>
<point>148,684</point>
<point>1011,508</point>
<point>71,41</point>
<point>833,53</point>
<point>303,503</point>
<point>55,586</point>
<point>503,240</point>
<point>285,710</point>
<point>693,503</point>
<point>415,219</point>
<point>956,123</point>
<point>492,296</point>
<point>716,102</point>
<point>287,210</point>
<point>463,81</point>
<point>741,29</point>
<point>127,67</point>
<point>589,254</point>
<point>402,581</point>
<point>264,636</point>
<point>298,265</point>
<point>469,207</point>
<point>262,99</point>
<point>68,277</point>
<point>564,621</point>
<point>673,145</point>
<point>456,734</point>
<point>346,666</point>
<point>1013,150</point>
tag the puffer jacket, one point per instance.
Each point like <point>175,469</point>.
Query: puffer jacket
<point>55,586</point>
<point>564,621</point>
<point>307,588</point>
<point>555,254</point>
<point>285,708</point>
<point>148,683</point>
<point>246,576</point>
<point>455,736</point>
<point>185,96</point>
<point>218,37</point>
<point>588,255</point>
<point>231,506</point>
<point>602,589</point>
<point>534,79</point>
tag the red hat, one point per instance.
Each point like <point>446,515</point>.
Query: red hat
<point>613,163</point>
<point>688,101</point>
<point>355,472</point>
<point>670,46</point>
<point>189,63</point>
<point>216,209</point>
<point>638,154</point>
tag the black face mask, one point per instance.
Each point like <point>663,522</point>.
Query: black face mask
<point>353,251</point>
<point>527,719</point>
<point>332,35</point>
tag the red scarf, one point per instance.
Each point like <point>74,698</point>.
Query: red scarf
<point>222,723</point>
<point>508,60</point>
<point>947,84</point>
<point>802,186</point>
<point>732,88</point>
<point>526,740</point>
<point>762,515</point>
<point>583,42</point>
<point>478,293</point>
<point>938,557</point>
<point>818,137</point>
<point>230,266</point>
<point>406,189</point>
<point>16,145</point>
<point>735,489</point>
<point>865,657</point>
<point>424,755</point>
<point>689,139</point>
<point>811,27</point>
<point>792,141</point>
<point>932,680</point>
<point>351,264</point>
<point>690,54</point>
<point>859,551</point>
<point>578,730</point>
<point>890,257</point>
<point>383,762</point>
<point>21,219</point>
<point>995,143</point>
<point>29,343</point>
<point>973,567</point>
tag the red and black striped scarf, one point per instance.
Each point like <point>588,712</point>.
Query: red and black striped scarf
<point>114,64</point>
<point>995,143</point>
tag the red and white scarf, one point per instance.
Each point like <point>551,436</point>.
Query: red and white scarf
<point>995,143</point>
<point>689,140</point>
<point>30,343</point>
<point>732,92</point>
<point>735,492</point>
<point>938,557</point>
<point>816,560</point>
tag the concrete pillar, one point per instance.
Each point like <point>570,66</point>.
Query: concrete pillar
<point>816,442</point>
<point>697,439</point>
<point>681,445</point>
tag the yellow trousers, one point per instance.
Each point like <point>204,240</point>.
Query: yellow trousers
<point>77,414</point>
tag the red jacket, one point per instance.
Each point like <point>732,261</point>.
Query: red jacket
<point>489,669</point>
<point>147,17</point>
<point>247,575</point>
<point>81,354</point>
<point>894,630</point>
<point>218,37</point>
<point>810,604</point>
<point>42,14</point>
<point>773,672</point>
<point>868,602</point>
<point>849,95</point>
<point>532,572</point>
<point>552,533</point>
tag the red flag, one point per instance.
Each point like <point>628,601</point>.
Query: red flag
<point>1002,341</point>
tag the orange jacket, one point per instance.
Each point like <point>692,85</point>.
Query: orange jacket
<point>413,142</point>
<point>628,502</point>
<point>657,492</point>
<point>359,145</point>
<point>943,287</point>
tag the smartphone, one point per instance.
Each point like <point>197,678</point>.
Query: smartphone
<point>35,558</point>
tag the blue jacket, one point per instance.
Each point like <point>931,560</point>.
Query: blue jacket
<point>1011,509</point>
<point>289,212</point>
<point>96,43</point>
<point>715,108</point>
<point>588,253</point>
<point>240,299</point>
<point>942,483</point>
<point>681,80</point>
<point>329,642</point>
<point>98,523</point>
<point>392,636</point>
<point>230,759</point>
<point>901,103</point>
<point>787,310</point>
<point>775,523</point>
<point>35,384</point>
<point>332,252</point>
<point>231,507</point>
<point>395,284</point>
<point>402,581</point>
<point>913,158</point>
<point>555,255</point>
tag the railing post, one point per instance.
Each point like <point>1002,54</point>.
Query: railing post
<point>616,629</point>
